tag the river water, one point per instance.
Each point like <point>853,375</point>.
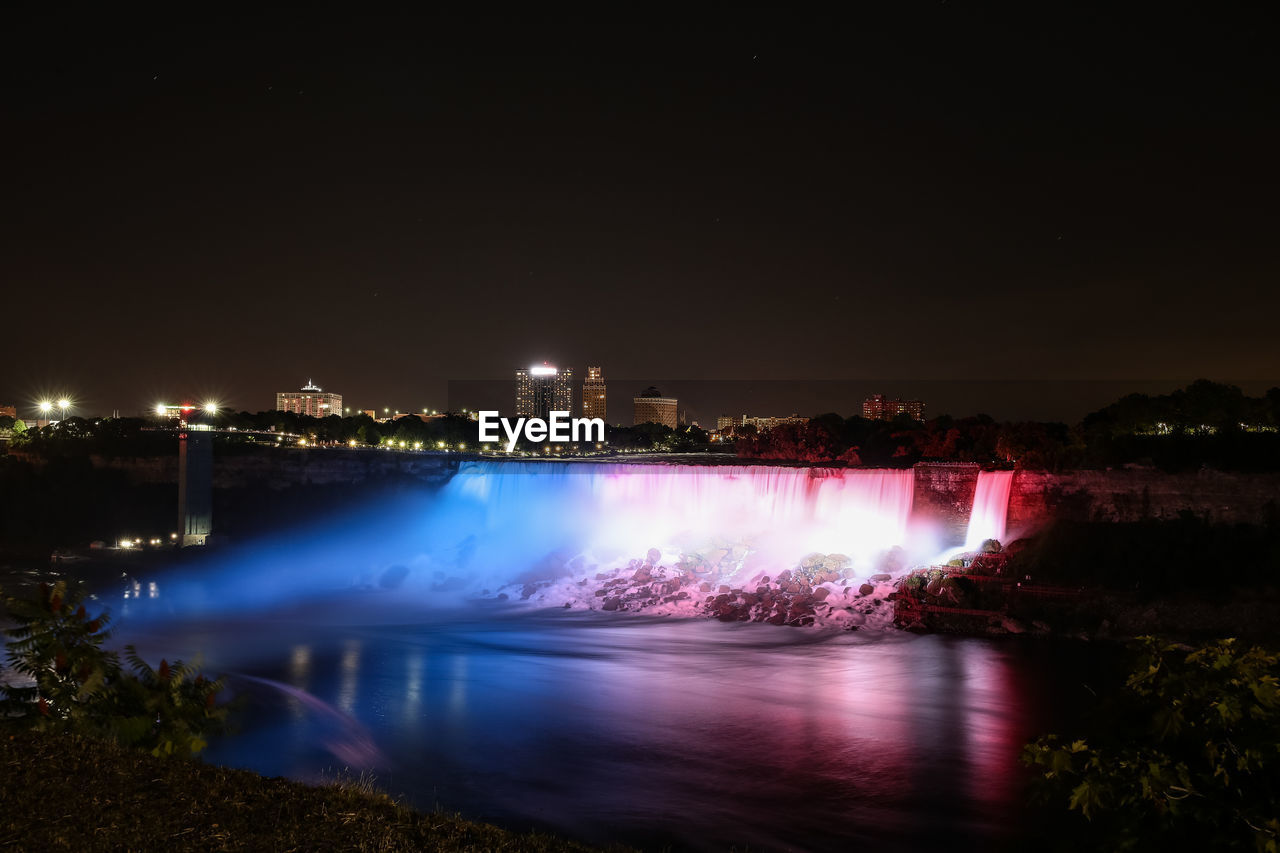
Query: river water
<point>684,734</point>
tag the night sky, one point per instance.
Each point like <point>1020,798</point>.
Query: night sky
<point>227,207</point>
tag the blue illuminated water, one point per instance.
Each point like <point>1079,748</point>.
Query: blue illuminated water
<point>357,644</point>
<point>689,734</point>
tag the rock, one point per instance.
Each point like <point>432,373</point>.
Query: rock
<point>793,588</point>
<point>764,579</point>
<point>704,587</point>
<point>1013,625</point>
<point>880,578</point>
<point>601,593</point>
<point>653,556</point>
<point>611,604</point>
<point>821,593</point>
<point>866,589</point>
<point>502,596</point>
<point>724,588</point>
<point>643,575</point>
<point>604,576</point>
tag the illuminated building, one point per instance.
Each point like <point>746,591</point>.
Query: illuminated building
<point>310,400</point>
<point>593,395</point>
<point>728,422</point>
<point>765,424</point>
<point>653,408</point>
<point>8,411</point>
<point>877,408</point>
<point>543,389</point>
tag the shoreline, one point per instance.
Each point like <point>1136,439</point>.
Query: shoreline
<point>65,792</point>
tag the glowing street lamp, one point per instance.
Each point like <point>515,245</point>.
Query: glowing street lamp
<point>45,407</point>
<point>211,408</point>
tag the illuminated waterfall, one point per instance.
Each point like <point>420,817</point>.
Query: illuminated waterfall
<point>499,522</point>
<point>610,509</point>
<point>990,508</point>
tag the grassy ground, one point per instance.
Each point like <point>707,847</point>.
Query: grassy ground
<point>72,793</point>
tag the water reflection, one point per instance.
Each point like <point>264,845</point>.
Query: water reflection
<point>694,734</point>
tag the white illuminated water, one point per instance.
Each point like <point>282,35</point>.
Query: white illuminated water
<point>606,509</point>
<point>990,508</point>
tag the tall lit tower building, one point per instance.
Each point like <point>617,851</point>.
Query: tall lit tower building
<point>593,395</point>
<point>543,389</point>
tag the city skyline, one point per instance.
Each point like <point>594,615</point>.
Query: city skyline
<point>935,194</point>
<point>704,401</point>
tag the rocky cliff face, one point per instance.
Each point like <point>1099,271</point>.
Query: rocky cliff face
<point>944,494</point>
<point>1125,495</point>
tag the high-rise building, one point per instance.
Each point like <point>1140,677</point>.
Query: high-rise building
<point>309,400</point>
<point>652,407</point>
<point>877,408</point>
<point>593,395</point>
<point>543,389</point>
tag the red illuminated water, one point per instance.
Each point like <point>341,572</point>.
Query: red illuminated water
<point>689,734</point>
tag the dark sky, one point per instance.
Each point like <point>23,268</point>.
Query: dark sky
<point>229,206</point>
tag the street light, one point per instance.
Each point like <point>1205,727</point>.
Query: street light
<point>64,404</point>
<point>211,408</point>
<point>45,407</point>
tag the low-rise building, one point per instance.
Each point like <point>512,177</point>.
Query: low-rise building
<point>765,424</point>
<point>652,407</point>
<point>877,408</point>
<point>310,400</point>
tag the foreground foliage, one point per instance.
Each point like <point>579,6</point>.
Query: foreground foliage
<point>1187,757</point>
<point>73,793</point>
<point>78,686</point>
